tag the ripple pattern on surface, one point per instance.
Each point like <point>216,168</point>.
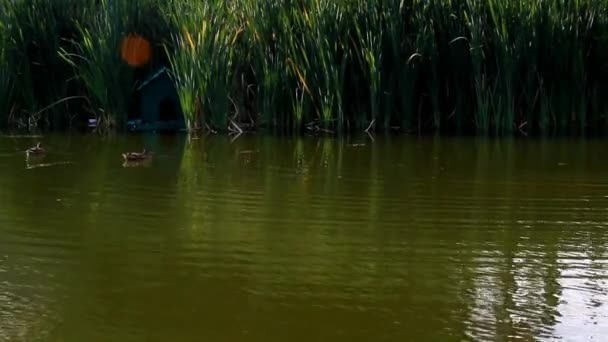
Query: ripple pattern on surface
<point>361,244</point>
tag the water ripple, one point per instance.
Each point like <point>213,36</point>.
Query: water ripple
<point>391,242</point>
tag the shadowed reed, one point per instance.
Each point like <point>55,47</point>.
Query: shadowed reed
<point>6,76</point>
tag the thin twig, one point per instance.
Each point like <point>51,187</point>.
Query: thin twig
<point>236,126</point>
<point>370,125</point>
<point>58,102</point>
<point>521,128</point>
<point>452,114</point>
<point>236,109</point>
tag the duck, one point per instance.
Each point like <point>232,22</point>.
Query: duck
<point>136,156</point>
<point>36,150</point>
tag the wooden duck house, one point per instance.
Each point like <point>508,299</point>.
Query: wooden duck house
<point>158,105</point>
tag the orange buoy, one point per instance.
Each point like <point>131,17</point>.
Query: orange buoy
<point>136,50</point>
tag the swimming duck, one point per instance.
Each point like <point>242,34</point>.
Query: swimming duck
<point>36,150</point>
<point>136,156</point>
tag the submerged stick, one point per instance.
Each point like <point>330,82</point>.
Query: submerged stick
<point>235,137</point>
<point>371,136</point>
<point>209,129</point>
<point>36,166</point>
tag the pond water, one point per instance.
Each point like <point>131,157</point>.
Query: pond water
<point>304,239</point>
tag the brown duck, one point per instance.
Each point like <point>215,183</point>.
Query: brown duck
<point>136,156</point>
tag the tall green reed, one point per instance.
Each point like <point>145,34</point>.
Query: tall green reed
<point>319,54</point>
<point>368,27</point>
<point>267,32</point>
<point>202,60</point>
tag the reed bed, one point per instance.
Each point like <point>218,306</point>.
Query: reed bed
<point>36,30</point>
<point>466,66</point>
<point>96,59</point>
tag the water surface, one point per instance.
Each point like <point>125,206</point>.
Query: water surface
<point>304,239</point>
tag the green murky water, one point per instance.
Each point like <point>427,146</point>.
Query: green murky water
<point>276,239</point>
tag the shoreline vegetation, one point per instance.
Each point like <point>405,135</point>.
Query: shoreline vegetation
<point>291,66</point>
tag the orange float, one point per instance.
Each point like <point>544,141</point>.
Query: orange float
<point>136,50</point>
